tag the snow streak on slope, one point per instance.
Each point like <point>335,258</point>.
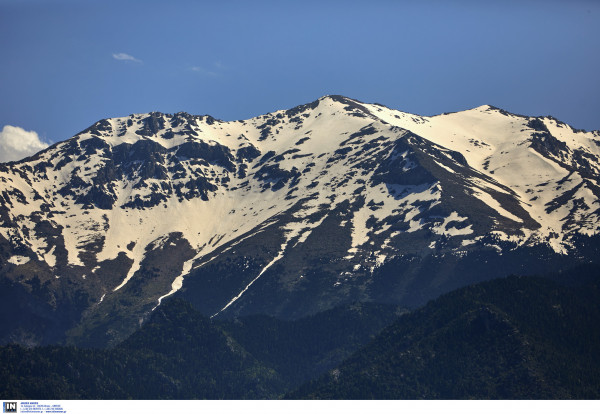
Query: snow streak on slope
<point>178,282</point>
<point>289,236</point>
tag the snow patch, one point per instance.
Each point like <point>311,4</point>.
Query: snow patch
<point>50,258</point>
<point>491,202</point>
<point>18,260</point>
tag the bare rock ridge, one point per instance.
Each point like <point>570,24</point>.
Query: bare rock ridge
<point>287,214</point>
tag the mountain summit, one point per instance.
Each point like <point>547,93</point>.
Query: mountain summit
<point>286,214</point>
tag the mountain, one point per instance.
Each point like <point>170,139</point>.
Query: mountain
<point>286,214</point>
<point>178,354</point>
<point>512,338</point>
<point>181,354</point>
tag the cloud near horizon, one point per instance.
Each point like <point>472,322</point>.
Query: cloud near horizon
<point>125,56</point>
<point>17,143</point>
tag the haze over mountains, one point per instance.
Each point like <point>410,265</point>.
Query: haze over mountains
<point>286,214</point>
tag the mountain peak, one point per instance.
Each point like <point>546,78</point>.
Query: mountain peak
<point>487,107</point>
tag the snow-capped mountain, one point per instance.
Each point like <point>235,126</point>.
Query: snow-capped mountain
<point>287,213</point>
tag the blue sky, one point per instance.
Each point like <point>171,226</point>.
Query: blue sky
<point>65,64</point>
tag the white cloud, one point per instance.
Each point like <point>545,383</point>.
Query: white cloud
<point>125,56</point>
<point>16,143</point>
<point>217,69</point>
<point>204,71</point>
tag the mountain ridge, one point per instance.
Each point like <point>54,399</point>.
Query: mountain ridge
<point>291,212</point>
<point>508,338</point>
